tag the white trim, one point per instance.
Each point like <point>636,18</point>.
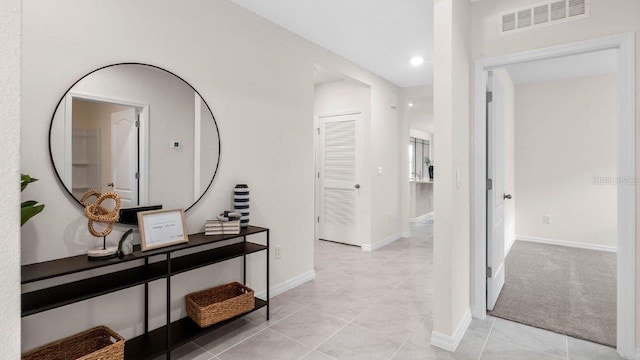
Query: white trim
<point>427,216</point>
<point>288,285</point>
<point>450,343</point>
<point>507,250</point>
<point>626,169</point>
<point>637,354</point>
<point>406,234</point>
<point>566,243</point>
<point>388,240</point>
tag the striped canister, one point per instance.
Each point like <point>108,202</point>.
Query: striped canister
<point>241,203</point>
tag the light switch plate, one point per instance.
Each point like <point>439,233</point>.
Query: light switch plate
<point>379,170</point>
<point>458,179</point>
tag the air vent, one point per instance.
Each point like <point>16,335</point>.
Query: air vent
<point>524,18</point>
<point>558,10</point>
<point>542,14</point>
<point>577,8</point>
<point>508,22</point>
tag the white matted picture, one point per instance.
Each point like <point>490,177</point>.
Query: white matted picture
<point>160,228</point>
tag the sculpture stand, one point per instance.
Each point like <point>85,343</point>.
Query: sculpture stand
<point>104,252</point>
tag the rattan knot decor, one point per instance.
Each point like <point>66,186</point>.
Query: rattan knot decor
<point>95,212</point>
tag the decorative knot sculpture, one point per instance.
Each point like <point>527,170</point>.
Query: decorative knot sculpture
<point>95,212</point>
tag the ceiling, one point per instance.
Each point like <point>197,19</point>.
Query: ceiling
<point>379,35</point>
<point>581,65</point>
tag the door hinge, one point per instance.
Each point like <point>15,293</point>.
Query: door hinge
<point>318,174</point>
<point>489,184</point>
<point>137,176</point>
<point>137,123</point>
<point>318,218</point>
<point>318,129</point>
<point>489,96</point>
<point>489,272</point>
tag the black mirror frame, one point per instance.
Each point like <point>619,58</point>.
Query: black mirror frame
<point>143,64</point>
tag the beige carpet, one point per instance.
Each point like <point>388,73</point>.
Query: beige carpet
<point>566,290</point>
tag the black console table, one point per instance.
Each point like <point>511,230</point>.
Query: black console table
<point>152,343</point>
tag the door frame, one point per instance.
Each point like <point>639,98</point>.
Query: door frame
<point>316,177</point>
<point>626,195</point>
<point>143,140</point>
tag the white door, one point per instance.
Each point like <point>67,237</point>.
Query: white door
<point>495,195</point>
<point>339,176</point>
<point>124,156</point>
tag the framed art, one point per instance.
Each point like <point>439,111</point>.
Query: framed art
<point>160,228</point>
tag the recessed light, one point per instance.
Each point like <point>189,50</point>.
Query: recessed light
<point>417,60</point>
<point>410,104</point>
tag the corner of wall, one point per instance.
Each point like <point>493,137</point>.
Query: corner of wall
<point>10,116</point>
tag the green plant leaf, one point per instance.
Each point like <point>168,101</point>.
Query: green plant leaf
<point>26,180</point>
<point>28,210</point>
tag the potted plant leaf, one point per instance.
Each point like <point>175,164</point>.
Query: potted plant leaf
<point>29,208</point>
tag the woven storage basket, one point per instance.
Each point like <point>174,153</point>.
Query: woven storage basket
<point>220,303</point>
<point>99,343</point>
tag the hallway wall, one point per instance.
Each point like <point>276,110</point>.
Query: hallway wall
<point>258,80</point>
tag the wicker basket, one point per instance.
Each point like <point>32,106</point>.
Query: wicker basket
<point>211,306</point>
<point>99,343</point>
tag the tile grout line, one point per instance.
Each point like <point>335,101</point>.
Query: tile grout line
<point>205,350</point>
<point>487,339</point>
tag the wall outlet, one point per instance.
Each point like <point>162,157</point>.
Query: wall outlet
<point>379,170</point>
<point>546,219</point>
<point>278,252</point>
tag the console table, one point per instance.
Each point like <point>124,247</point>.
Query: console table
<point>156,342</point>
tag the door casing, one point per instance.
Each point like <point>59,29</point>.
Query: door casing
<point>626,255</point>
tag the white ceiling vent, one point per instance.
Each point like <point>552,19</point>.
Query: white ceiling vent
<point>542,14</point>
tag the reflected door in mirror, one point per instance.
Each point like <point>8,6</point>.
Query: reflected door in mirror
<point>138,130</point>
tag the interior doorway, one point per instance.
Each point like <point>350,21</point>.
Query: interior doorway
<point>341,110</point>
<point>552,214</point>
<point>105,153</point>
<point>491,241</point>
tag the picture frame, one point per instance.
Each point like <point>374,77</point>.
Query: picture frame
<point>161,228</point>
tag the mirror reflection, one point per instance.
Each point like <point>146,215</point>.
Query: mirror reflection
<point>136,130</point>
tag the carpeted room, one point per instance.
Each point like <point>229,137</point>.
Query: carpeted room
<point>561,223</point>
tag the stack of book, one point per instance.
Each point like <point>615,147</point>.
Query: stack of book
<point>217,227</point>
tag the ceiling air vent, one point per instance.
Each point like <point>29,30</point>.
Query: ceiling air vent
<point>542,14</point>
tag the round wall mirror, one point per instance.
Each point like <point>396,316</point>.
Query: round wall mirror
<point>137,130</point>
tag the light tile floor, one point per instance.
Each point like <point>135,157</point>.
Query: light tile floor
<point>374,306</point>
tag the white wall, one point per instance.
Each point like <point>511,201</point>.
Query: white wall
<point>10,30</point>
<point>508,93</point>
<point>451,188</point>
<point>343,96</point>
<point>258,80</point>
<point>608,17</point>
<point>566,136</point>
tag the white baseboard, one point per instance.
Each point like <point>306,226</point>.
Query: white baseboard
<point>385,242</point>
<point>509,246</point>
<point>637,353</point>
<point>566,243</point>
<point>406,234</point>
<point>428,216</point>
<point>450,343</point>
<point>288,285</point>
